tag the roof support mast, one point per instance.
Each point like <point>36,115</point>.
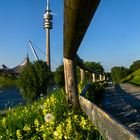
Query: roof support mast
<point>33,50</point>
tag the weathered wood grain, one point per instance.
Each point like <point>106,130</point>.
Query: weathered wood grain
<point>77,17</point>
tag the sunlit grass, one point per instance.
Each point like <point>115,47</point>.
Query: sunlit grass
<point>7,81</point>
<point>133,78</point>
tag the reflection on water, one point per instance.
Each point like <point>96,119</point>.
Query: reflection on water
<point>10,97</point>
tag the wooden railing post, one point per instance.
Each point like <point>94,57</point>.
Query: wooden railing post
<point>100,77</point>
<point>103,77</point>
<point>71,82</point>
<point>93,78</point>
<point>76,22</point>
<point>82,73</point>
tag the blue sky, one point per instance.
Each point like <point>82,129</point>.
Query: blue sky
<point>113,37</point>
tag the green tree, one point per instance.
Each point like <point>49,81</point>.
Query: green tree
<point>135,66</point>
<point>117,73</point>
<point>108,76</point>
<point>59,76</point>
<point>93,66</point>
<point>34,80</point>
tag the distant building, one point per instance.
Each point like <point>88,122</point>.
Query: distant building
<point>15,70</point>
<point>4,67</point>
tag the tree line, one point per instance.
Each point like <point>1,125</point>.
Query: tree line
<point>120,72</point>
<point>36,78</point>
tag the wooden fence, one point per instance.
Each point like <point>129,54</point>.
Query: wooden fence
<point>105,123</point>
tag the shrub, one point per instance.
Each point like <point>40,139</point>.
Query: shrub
<point>59,76</point>
<point>34,80</point>
<point>118,73</point>
<point>135,66</point>
<point>95,91</point>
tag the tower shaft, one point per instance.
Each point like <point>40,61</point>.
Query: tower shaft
<point>47,26</point>
<point>48,49</point>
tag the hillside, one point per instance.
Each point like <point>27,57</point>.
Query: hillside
<point>133,78</point>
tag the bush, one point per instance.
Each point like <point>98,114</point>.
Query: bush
<point>34,80</point>
<point>95,91</point>
<point>118,73</point>
<point>135,66</point>
<point>59,76</point>
<point>93,66</point>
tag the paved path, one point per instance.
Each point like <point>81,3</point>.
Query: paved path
<point>123,103</point>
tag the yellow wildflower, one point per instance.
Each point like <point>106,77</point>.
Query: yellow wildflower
<point>83,122</point>
<point>55,134</point>
<point>45,111</point>
<point>27,128</point>
<point>69,126</point>
<point>19,135</point>
<point>44,136</point>
<point>36,122</point>
<point>58,134</point>
<point>4,121</point>
<point>42,127</point>
<point>76,118</point>
<point>52,100</point>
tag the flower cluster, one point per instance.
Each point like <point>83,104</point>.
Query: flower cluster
<point>51,118</point>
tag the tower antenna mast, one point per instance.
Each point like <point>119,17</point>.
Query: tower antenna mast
<point>48,5</point>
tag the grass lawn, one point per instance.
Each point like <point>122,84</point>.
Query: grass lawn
<point>133,78</point>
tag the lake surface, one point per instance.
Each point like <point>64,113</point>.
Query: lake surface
<point>10,97</point>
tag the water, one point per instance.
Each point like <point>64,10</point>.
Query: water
<point>10,97</point>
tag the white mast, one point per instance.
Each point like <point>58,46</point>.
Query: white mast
<point>48,5</point>
<point>33,50</point>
